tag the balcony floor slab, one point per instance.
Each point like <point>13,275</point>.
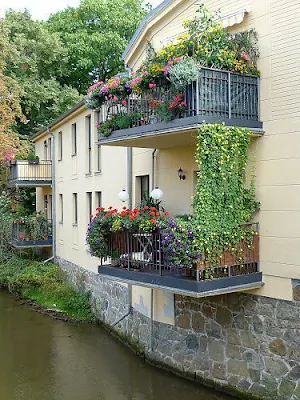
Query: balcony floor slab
<point>184,286</point>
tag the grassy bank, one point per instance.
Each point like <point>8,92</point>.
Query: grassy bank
<point>45,285</point>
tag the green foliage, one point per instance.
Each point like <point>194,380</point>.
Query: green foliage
<point>95,35</point>
<point>36,61</point>
<point>45,284</point>
<point>183,73</point>
<point>222,203</point>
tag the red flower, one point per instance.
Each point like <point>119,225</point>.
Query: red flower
<point>102,209</point>
<point>152,208</point>
<point>146,208</point>
<point>124,208</point>
<point>98,209</point>
<point>158,214</point>
<point>152,213</point>
<point>131,217</point>
<point>167,214</point>
<point>135,210</point>
<point>123,214</point>
<point>110,207</point>
<point>153,221</point>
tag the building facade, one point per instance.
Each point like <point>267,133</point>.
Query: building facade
<point>247,341</point>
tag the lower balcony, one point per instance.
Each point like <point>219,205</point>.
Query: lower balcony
<point>138,258</point>
<point>30,173</point>
<point>33,233</point>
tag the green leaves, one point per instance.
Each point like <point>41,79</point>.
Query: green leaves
<point>222,202</point>
<point>95,35</point>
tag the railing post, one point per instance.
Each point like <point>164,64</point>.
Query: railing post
<point>258,99</point>
<point>128,249</point>
<point>229,95</point>
<point>159,254</point>
<point>197,97</point>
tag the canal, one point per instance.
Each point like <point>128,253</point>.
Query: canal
<point>45,359</point>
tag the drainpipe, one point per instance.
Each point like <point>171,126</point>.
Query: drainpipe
<point>53,196</point>
<point>151,322</point>
<point>128,305</point>
<point>129,176</point>
<point>153,169</point>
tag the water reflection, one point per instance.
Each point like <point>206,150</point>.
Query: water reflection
<point>43,359</point>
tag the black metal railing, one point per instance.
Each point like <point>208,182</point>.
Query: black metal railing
<point>32,233</point>
<point>143,252</point>
<point>30,171</point>
<point>217,93</point>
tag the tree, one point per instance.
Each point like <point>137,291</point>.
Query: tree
<point>95,34</point>
<point>35,60</point>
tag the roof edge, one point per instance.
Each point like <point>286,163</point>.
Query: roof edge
<point>144,22</point>
<point>57,120</point>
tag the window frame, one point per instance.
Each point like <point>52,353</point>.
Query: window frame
<point>74,139</point>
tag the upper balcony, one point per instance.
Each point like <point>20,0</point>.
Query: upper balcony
<point>138,258</point>
<point>30,173</point>
<point>217,96</point>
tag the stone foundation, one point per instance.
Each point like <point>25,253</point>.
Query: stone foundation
<point>245,343</point>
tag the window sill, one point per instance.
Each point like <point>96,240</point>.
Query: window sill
<point>88,174</point>
<point>98,173</point>
<point>75,224</point>
<point>74,155</point>
<point>61,222</point>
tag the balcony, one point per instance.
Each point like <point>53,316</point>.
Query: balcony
<point>138,258</point>
<point>33,233</point>
<point>30,173</point>
<point>216,97</point>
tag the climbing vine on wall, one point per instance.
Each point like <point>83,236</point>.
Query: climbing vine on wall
<point>222,202</point>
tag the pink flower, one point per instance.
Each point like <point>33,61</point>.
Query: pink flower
<point>146,73</point>
<point>124,102</point>
<point>178,59</point>
<point>166,70</point>
<point>115,98</point>
<point>152,85</point>
<point>245,56</point>
<point>170,62</point>
<point>133,73</point>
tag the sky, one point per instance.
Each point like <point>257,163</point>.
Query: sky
<point>41,9</point>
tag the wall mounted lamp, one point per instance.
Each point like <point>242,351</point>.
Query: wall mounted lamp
<point>181,174</point>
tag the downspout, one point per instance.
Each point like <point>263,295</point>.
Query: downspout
<point>151,322</point>
<point>129,176</point>
<point>153,169</point>
<point>53,198</point>
<point>128,312</point>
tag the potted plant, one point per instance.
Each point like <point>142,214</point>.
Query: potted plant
<point>33,159</point>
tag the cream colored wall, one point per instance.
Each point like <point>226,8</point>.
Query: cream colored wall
<point>277,153</point>
<point>277,156</point>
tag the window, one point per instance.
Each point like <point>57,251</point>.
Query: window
<point>89,200</point>
<point>60,146</point>
<point>61,208</point>
<point>99,119</point>
<point>74,140</point>
<point>46,206</point>
<point>98,158</point>
<point>45,150</point>
<point>98,199</point>
<point>89,143</point>
<point>50,207</point>
<point>49,149</point>
<point>75,209</point>
<point>142,189</point>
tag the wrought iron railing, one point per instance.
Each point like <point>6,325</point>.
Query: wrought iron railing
<point>143,252</point>
<point>217,93</point>
<point>30,171</point>
<point>32,232</point>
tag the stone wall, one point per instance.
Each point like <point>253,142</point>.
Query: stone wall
<point>248,343</point>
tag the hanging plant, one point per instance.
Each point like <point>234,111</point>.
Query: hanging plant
<point>222,202</point>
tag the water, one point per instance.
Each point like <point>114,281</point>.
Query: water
<point>45,359</point>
